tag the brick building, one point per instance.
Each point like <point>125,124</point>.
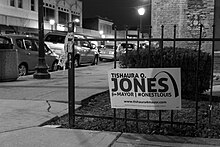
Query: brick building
<point>187,15</point>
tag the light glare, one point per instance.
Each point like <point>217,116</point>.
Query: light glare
<point>141,11</point>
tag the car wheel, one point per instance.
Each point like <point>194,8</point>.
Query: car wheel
<point>76,62</point>
<point>100,59</point>
<point>95,61</point>
<point>55,66</point>
<point>22,70</point>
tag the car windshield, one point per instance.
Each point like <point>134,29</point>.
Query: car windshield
<point>5,43</point>
<point>55,38</point>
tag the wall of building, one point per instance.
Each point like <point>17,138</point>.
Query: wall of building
<point>91,23</point>
<point>99,24</point>
<point>25,17</point>
<point>187,15</point>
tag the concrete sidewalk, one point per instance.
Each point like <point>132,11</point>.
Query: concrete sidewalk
<point>24,103</point>
<point>51,137</point>
<point>24,107</point>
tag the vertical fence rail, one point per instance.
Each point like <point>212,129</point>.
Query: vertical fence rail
<point>115,42</point>
<point>149,65</point>
<point>161,64</point>
<point>126,37</point>
<point>149,51</point>
<point>211,76</point>
<point>197,73</point>
<point>126,42</point>
<point>115,46</point>
<point>138,45</point>
<point>173,63</point>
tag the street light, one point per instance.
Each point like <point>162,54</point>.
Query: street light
<point>77,20</point>
<point>41,70</point>
<point>101,32</point>
<point>52,22</point>
<point>141,12</point>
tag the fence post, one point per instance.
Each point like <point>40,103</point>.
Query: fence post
<point>115,41</point>
<point>138,45</point>
<point>71,76</point>
<point>71,89</point>
<point>197,73</point>
<point>138,62</point>
<point>115,45</point>
<point>149,64</point>
<point>149,54</point>
<point>161,64</point>
<point>211,77</point>
<point>174,59</point>
<point>126,42</point>
<point>126,56</point>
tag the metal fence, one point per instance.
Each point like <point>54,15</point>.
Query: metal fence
<point>174,117</point>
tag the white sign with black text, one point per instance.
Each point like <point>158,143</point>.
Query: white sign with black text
<point>145,88</point>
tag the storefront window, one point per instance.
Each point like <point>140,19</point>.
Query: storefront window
<point>33,5</point>
<point>48,13</point>
<point>63,17</point>
<point>12,3</point>
<point>20,4</point>
<point>75,19</point>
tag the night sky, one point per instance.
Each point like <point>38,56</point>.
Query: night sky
<point>121,12</point>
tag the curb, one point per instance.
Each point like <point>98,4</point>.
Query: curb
<point>86,100</point>
<point>48,121</point>
<point>82,103</point>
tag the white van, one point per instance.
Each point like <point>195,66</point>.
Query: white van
<point>85,51</point>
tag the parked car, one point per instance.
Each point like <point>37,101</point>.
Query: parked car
<point>55,40</point>
<point>122,47</point>
<point>84,51</point>
<point>27,48</point>
<point>107,52</point>
<point>145,45</point>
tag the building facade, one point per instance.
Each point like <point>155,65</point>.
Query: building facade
<point>102,25</point>
<point>187,15</point>
<point>21,16</point>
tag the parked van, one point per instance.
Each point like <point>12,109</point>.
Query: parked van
<point>85,51</point>
<point>27,48</point>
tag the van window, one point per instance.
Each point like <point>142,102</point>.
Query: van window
<point>46,49</point>
<point>55,38</point>
<point>30,45</point>
<point>5,43</point>
<point>83,43</point>
<point>20,43</point>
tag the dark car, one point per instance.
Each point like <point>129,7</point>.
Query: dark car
<point>27,48</point>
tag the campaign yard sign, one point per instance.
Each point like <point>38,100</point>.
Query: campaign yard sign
<point>145,88</point>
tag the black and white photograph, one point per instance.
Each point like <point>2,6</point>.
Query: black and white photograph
<point>109,73</point>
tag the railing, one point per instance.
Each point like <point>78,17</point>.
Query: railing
<point>173,114</point>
